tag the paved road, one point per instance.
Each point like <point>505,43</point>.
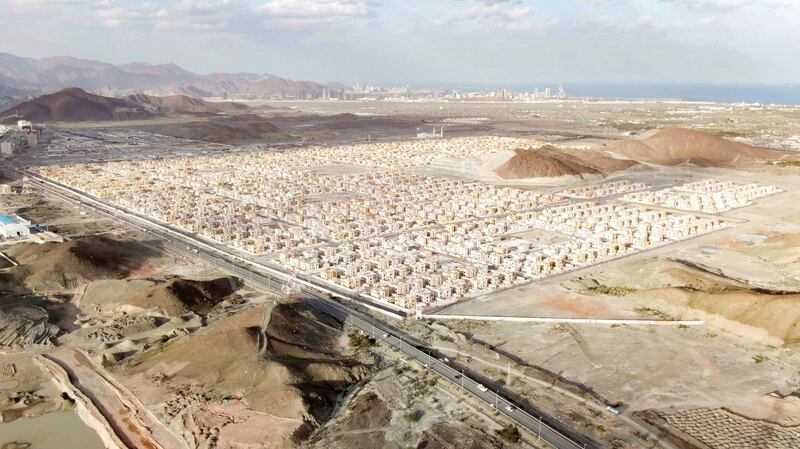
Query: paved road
<point>547,429</point>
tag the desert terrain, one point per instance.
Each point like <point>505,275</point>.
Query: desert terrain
<point>170,351</point>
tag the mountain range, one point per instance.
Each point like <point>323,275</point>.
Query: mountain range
<point>76,105</point>
<point>29,76</point>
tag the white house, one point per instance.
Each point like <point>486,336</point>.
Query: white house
<point>12,226</point>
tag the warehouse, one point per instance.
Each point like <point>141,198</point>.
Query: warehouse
<point>12,226</point>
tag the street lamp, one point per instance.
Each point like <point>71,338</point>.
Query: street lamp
<point>539,435</point>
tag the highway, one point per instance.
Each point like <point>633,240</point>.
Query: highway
<point>546,429</point>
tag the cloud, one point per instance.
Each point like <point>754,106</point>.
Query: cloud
<point>300,13</point>
<point>495,15</point>
<point>112,13</point>
<point>235,16</point>
<point>314,8</point>
<point>713,5</point>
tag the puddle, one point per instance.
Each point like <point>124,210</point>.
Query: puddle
<point>59,430</point>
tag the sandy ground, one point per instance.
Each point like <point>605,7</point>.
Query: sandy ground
<point>719,376</point>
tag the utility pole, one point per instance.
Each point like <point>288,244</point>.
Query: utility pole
<point>539,437</point>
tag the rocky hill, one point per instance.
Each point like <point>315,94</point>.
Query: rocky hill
<point>56,266</point>
<point>74,105</point>
<point>544,162</point>
<point>183,104</point>
<point>674,145</point>
<point>549,162</point>
<point>171,297</point>
<point>284,376</point>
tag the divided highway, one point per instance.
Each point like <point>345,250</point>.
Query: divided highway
<point>546,429</point>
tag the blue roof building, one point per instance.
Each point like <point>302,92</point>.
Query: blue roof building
<point>12,226</point>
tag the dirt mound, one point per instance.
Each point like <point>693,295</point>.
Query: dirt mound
<point>26,325</point>
<point>183,104</point>
<point>298,331</point>
<point>177,296</point>
<point>600,161</point>
<point>66,265</point>
<point>172,297</point>
<point>34,320</point>
<point>367,412</point>
<point>776,312</point>
<point>282,378</point>
<point>674,145</point>
<point>73,105</point>
<point>543,162</point>
<point>454,436</point>
<point>779,315</point>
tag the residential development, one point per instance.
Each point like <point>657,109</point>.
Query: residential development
<point>358,216</point>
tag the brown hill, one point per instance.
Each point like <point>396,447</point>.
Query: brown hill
<point>599,160</point>
<point>674,145</point>
<point>73,105</point>
<point>543,162</point>
<point>297,374</point>
<point>55,266</point>
<point>183,104</point>
<point>172,297</point>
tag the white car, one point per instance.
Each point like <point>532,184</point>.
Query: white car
<point>482,388</point>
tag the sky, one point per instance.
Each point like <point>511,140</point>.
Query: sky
<point>434,42</point>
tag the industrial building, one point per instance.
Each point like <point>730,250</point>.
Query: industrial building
<point>13,226</point>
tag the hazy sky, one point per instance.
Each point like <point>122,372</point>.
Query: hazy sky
<point>425,41</point>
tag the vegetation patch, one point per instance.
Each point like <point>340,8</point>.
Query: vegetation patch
<point>785,163</point>
<point>654,312</point>
<point>360,341</point>
<point>610,291</point>
<point>510,434</point>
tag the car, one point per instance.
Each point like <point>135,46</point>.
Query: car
<point>510,408</point>
<point>482,388</point>
<point>445,360</point>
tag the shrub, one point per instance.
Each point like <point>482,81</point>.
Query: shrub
<point>510,434</point>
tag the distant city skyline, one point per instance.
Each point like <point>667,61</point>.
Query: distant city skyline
<point>441,42</point>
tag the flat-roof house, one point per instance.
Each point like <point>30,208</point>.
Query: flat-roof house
<point>13,226</point>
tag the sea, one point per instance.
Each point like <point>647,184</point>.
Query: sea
<point>717,93</point>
